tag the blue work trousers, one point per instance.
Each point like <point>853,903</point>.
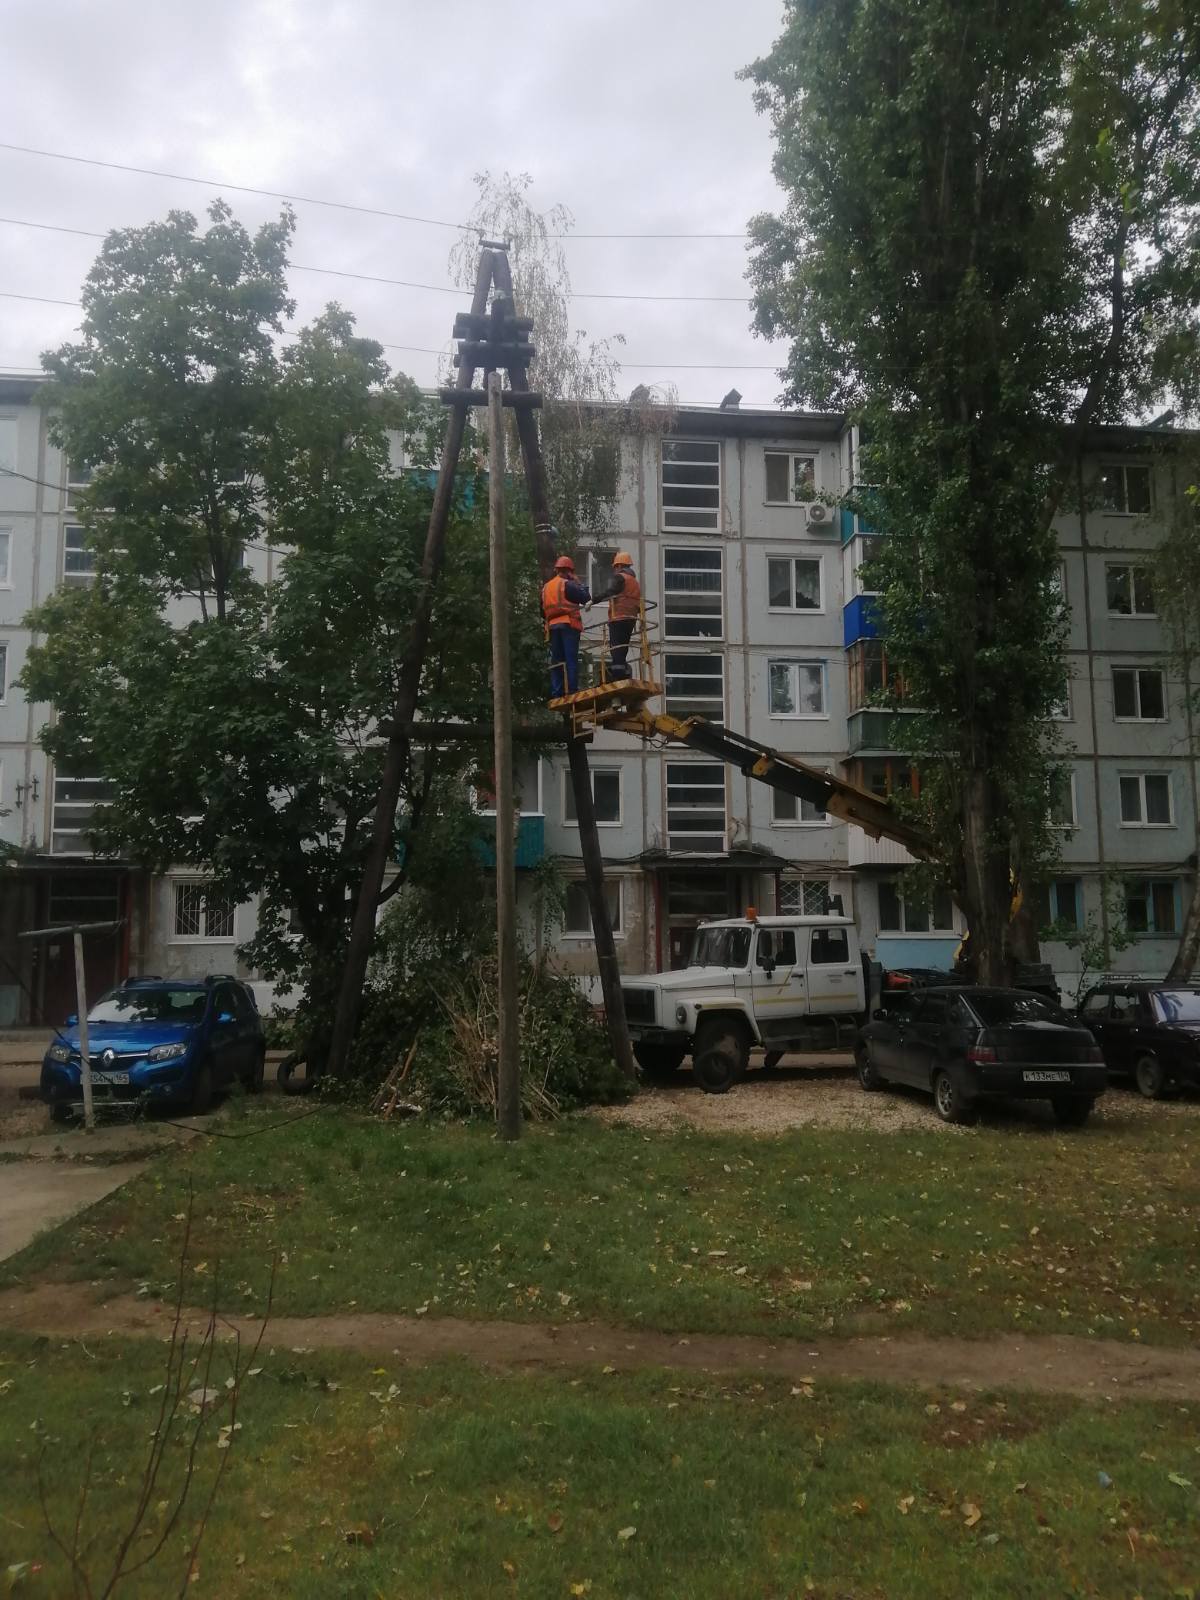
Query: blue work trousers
<point>564,661</point>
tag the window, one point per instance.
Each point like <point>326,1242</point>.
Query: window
<point>692,605</point>
<point>776,947</point>
<point>79,559</point>
<point>691,486</point>
<point>1146,800</point>
<point>864,550</point>
<point>578,916</point>
<point>789,477</point>
<point>789,810</point>
<point>5,558</point>
<point>895,916</point>
<point>1061,808</point>
<point>202,913</point>
<point>804,897</point>
<point>1150,905</point>
<point>830,947</point>
<point>873,677</point>
<point>1130,590</point>
<point>1058,902</point>
<point>606,796</point>
<point>794,584</point>
<point>79,478</point>
<point>75,800</point>
<point>1125,489</point>
<point>1060,709</point>
<point>1138,694</point>
<point>695,686</point>
<point>599,569</point>
<point>796,688</point>
<point>696,805</point>
<point>1096,1004</point>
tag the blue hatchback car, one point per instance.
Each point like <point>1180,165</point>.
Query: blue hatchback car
<point>160,1041</point>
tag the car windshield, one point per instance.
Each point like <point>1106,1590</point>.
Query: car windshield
<point>721,947</point>
<point>1002,1010</point>
<point>182,1003</point>
<point>1178,1005</point>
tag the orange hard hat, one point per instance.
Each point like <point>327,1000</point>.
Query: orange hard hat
<point>564,564</point>
<point>622,559</point>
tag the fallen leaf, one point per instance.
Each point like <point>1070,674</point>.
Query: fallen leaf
<point>625,1534</point>
<point>958,1405</point>
<point>932,1409</point>
<point>971,1513</point>
<point>904,1506</point>
<point>582,1588</point>
<point>509,1568</point>
<point>1179,1479</point>
<point>608,1369</point>
<point>360,1533</point>
<point>555,1521</point>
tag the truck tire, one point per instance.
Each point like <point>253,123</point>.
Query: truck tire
<point>720,1056</point>
<point>659,1062</point>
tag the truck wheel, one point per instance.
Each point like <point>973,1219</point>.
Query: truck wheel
<point>951,1104</point>
<point>868,1072</point>
<point>720,1056</point>
<point>772,1059</point>
<point>1150,1078</point>
<point>659,1062</point>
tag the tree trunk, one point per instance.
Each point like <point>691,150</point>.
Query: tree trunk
<point>1186,956</point>
<point>985,881</point>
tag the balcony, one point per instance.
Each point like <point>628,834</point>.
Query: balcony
<point>874,731</point>
<point>863,851</point>
<point>531,840</point>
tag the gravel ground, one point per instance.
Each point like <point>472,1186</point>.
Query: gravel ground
<point>822,1092</point>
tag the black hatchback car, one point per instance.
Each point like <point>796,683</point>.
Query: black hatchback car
<point>969,1044</point>
<point>1149,1032</point>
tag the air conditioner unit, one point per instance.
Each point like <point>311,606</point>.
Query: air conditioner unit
<point>819,514</point>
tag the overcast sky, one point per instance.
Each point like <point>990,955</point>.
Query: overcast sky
<point>629,112</point>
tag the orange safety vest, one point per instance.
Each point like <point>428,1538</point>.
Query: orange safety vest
<point>626,606</point>
<point>557,609</point>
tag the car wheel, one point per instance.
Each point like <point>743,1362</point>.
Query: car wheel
<point>1150,1078</point>
<point>720,1057</point>
<point>950,1102</point>
<point>254,1082</point>
<point>868,1073</point>
<point>202,1089</point>
<point>772,1059</point>
<point>1072,1113</point>
<point>659,1062</point>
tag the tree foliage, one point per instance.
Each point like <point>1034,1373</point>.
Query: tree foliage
<point>234,707</point>
<point>989,243</point>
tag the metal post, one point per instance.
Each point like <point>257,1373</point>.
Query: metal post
<point>508,1087</point>
<point>85,1061</point>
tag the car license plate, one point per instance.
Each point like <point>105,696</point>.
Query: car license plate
<point>1046,1077</point>
<point>111,1079</point>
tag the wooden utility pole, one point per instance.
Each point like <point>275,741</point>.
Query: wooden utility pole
<point>508,1073</point>
<point>85,1056</point>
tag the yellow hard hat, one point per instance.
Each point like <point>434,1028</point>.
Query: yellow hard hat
<point>622,559</point>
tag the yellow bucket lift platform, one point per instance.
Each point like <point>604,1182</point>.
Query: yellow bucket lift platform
<point>607,697</point>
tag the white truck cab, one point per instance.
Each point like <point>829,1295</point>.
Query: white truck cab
<point>779,982</point>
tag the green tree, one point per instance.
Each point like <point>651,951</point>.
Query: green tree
<point>236,716</point>
<point>989,242</point>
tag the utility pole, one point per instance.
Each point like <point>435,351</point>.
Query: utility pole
<point>85,1058</point>
<point>508,1076</point>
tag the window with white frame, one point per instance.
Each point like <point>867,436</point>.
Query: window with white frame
<point>694,686</point>
<point>691,486</point>
<point>791,476</point>
<point>1129,586</point>
<point>1057,903</point>
<point>804,897</point>
<point>794,583</point>
<point>79,478</point>
<point>606,797</point>
<point>790,811</point>
<point>79,559</point>
<point>1126,488</point>
<point>695,805</point>
<point>864,549</point>
<point>1151,905</point>
<point>1060,709</point>
<point>693,605</point>
<point>1138,694</point>
<point>5,558</point>
<point>599,569</point>
<point>577,914</point>
<point>796,688</point>
<point>898,915</point>
<point>74,803</point>
<point>1060,812</point>
<point>201,913</point>
<point>1146,800</point>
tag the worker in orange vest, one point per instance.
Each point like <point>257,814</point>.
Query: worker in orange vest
<point>562,597</point>
<point>624,596</point>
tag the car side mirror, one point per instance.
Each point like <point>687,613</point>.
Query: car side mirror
<point>225,1016</point>
<point>768,967</point>
<point>72,1020</point>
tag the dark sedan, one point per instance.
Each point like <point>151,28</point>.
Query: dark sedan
<point>1149,1032</point>
<point>965,1045</point>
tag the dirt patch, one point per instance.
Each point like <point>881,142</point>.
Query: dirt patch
<point>1050,1364</point>
<point>823,1092</point>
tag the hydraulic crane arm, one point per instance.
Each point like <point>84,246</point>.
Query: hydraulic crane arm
<point>843,800</point>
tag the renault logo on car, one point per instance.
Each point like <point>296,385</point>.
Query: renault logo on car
<point>109,1058</point>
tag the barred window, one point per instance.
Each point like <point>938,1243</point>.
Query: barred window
<point>202,913</point>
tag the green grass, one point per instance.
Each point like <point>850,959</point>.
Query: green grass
<point>819,1231</point>
<point>473,1485</point>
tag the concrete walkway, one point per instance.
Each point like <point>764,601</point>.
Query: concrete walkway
<point>34,1195</point>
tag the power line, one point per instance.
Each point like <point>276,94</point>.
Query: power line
<point>405,283</point>
<point>335,205</point>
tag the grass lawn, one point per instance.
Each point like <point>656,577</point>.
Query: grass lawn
<point>453,1484</point>
<point>818,1231</point>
